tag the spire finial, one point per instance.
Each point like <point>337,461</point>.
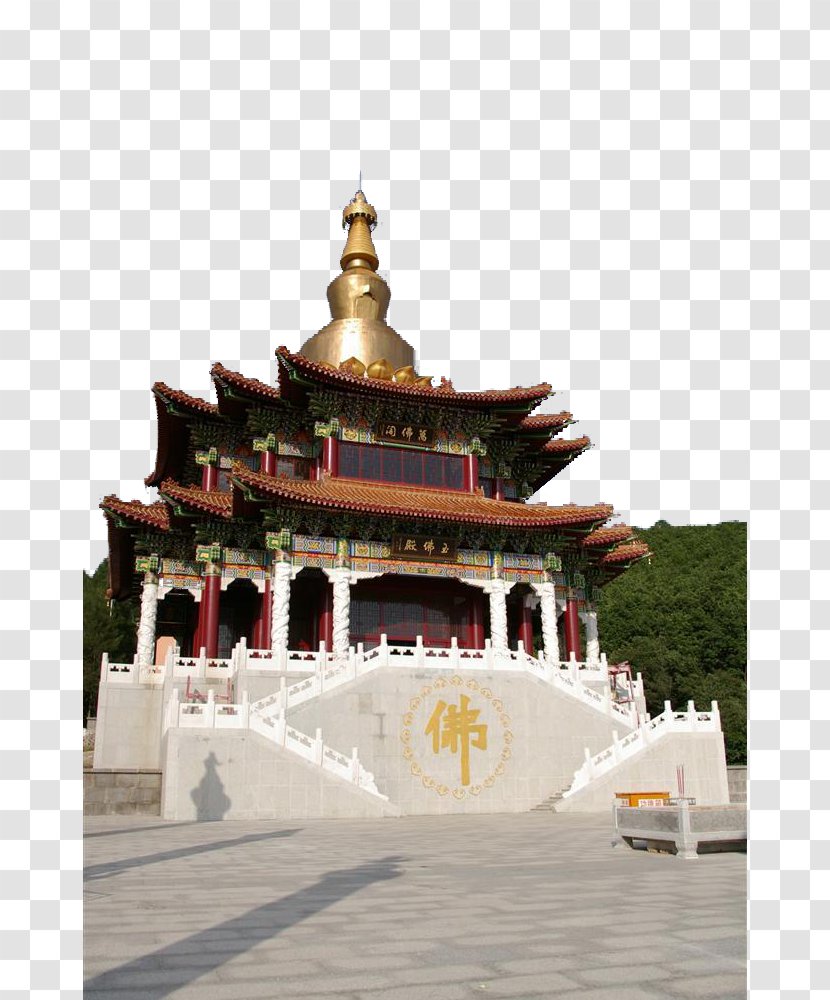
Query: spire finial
<point>361,218</point>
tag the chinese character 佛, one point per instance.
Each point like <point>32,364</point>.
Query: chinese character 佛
<point>407,433</point>
<point>429,546</point>
<point>460,731</point>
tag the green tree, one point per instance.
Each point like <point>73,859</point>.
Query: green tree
<point>680,619</point>
<point>106,630</point>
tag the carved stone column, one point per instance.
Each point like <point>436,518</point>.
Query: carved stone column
<point>547,604</point>
<point>281,573</point>
<point>341,580</point>
<point>591,636</point>
<point>146,647</point>
<point>498,590</point>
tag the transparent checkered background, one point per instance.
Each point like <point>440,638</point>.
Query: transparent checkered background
<point>627,200</point>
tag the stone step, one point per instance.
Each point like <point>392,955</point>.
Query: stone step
<point>548,805</point>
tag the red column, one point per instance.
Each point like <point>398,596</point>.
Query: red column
<point>209,615</point>
<point>572,643</point>
<point>210,477</point>
<point>471,473</point>
<point>476,620</point>
<point>196,641</point>
<point>268,463</point>
<point>325,623</point>
<point>526,626</point>
<point>331,455</point>
<point>498,488</point>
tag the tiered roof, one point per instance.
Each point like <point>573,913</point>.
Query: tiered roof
<point>533,439</point>
<point>416,502</point>
<point>296,369</point>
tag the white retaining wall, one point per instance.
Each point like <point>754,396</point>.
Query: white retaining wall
<point>543,730</point>
<point>238,774</point>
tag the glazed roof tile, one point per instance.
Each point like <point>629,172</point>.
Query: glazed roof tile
<point>216,502</point>
<point>627,552</point>
<point>545,421</point>
<point>156,515</point>
<point>444,392</point>
<point>184,400</point>
<point>251,386</point>
<point>408,501</point>
<point>561,446</point>
<point>610,535</point>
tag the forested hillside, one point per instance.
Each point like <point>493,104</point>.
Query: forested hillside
<point>681,620</point>
<point>111,631</point>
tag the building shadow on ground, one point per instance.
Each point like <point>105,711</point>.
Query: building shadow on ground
<point>110,868</point>
<point>136,829</point>
<point>209,795</point>
<point>168,969</point>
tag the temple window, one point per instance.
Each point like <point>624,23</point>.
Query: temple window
<point>225,462</point>
<point>381,463</point>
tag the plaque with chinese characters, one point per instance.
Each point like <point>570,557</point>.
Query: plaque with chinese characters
<point>432,547</point>
<point>404,433</point>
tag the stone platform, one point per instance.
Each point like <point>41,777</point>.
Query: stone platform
<point>445,907</point>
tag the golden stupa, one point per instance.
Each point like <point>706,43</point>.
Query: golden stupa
<point>358,333</point>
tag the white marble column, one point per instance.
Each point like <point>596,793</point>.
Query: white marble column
<point>547,603</point>
<point>591,636</point>
<point>341,580</point>
<point>280,599</point>
<point>498,590</point>
<point>146,647</point>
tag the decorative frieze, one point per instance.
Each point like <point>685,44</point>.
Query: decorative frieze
<point>268,443</point>
<point>209,553</point>
<point>209,457</point>
<point>245,564</point>
<point>180,574</point>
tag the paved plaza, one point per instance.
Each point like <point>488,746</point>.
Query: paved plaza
<point>529,906</point>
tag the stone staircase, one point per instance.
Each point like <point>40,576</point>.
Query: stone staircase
<point>549,804</point>
<point>622,751</point>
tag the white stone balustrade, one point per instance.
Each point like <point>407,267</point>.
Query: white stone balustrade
<point>130,673</point>
<point>570,676</point>
<point>315,751</point>
<point>587,681</point>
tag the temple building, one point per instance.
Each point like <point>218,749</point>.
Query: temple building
<point>355,529</point>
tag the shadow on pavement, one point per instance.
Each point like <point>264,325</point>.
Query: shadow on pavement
<point>137,829</point>
<point>184,961</point>
<point>110,868</point>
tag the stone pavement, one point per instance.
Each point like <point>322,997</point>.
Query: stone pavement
<point>530,906</point>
